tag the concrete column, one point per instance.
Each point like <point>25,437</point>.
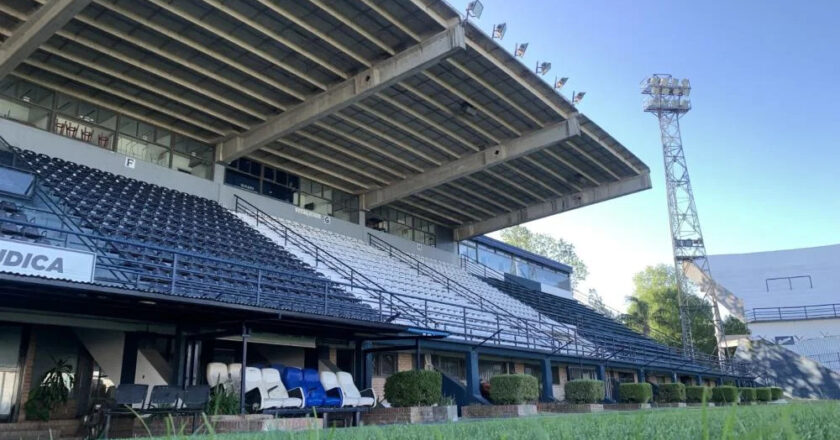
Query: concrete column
<point>641,374</point>
<point>473,385</point>
<point>699,380</point>
<point>674,377</point>
<point>601,374</point>
<point>180,359</point>
<point>547,383</point>
<point>366,372</point>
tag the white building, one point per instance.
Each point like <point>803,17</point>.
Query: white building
<point>791,297</point>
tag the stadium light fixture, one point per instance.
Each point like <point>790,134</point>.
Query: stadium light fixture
<point>499,31</point>
<point>559,83</point>
<point>520,49</point>
<point>542,68</point>
<point>667,94</point>
<point>578,97</point>
<point>474,9</point>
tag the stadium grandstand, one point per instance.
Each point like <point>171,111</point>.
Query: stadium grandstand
<point>192,187</point>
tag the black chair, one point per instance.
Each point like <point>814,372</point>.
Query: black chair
<point>164,398</point>
<point>126,397</point>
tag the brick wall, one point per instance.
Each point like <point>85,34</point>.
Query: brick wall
<point>405,361</point>
<point>559,388</point>
<point>519,368</point>
<point>26,383</point>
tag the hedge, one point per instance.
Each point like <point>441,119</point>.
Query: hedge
<point>584,391</point>
<point>414,388</point>
<point>514,389</point>
<point>763,394</point>
<point>698,394</point>
<point>747,394</point>
<point>671,393</point>
<point>776,393</point>
<point>725,394</point>
<point>635,392</point>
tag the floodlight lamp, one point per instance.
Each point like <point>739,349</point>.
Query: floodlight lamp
<point>519,52</point>
<point>674,82</point>
<point>499,31</point>
<point>543,68</point>
<point>578,97</point>
<point>559,83</point>
<point>666,91</point>
<point>663,81</point>
<point>474,9</point>
<point>686,83</point>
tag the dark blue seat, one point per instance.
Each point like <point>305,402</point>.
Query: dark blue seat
<point>331,397</point>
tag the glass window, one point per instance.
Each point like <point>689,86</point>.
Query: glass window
<point>144,151</point>
<point>242,180</point>
<point>582,373</point>
<point>384,364</point>
<point>488,369</point>
<point>9,368</point>
<point>277,191</point>
<point>128,126</point>
<point>451,366</point>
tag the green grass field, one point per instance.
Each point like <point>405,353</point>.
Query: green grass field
<point>792,421</point>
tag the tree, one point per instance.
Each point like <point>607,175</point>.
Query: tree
<point>547,246</point>
<point>734,326</point>
<point>654,309</point>
<point>596,302</point>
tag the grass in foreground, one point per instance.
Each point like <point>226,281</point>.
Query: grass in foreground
<point>793,421</point>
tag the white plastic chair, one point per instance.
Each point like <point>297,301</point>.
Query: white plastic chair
<point>365,397</point>
<point>276,395</point>
<point>217,374</point>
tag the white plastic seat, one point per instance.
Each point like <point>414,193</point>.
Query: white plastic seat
<point>276,394</point>
<point>217,374</point>
<point>235,374</point>
<point>352,394</point>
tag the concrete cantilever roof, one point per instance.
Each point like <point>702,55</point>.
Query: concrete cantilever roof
<point>400,102</point>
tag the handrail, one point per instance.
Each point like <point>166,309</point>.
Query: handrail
<point>483,270</point>
<point>790,313</point>
<point>451,284</point>
<point>243,206</point>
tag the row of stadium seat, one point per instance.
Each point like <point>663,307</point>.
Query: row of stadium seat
<point>446,306</point>
<point>593,326</point>
<point>268,388</point>
<point>218,257</point>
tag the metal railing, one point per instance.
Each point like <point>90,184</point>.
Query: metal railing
<point>792,313</point>
<point>481,270</point>
<point>564,336</point>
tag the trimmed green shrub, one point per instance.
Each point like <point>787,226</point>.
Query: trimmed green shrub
<point>584,391</point>
<point>747,394</point>
<point>776,393</point>
<point>414,388</point>
<point>635,392</point>
<point>725,394</point>
<point>514,389</point>
<point>763,394</point>
<point>697,394</point>
<point>671,393</point>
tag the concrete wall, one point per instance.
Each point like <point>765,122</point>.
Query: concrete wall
<point>746,276</point>
<point>106,347</point>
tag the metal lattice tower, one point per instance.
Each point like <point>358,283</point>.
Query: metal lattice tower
<point>668,100</point>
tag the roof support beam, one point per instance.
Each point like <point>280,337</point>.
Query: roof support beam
<point>381,75</point>
<point>461,201</point>
<point>352,25</point>
<point>557,205</point>
<point>446,205</point>
<point>326,170</point>
<point>242,44</point>
<point>496,191</point>
<point>169,33</point>
<point>433,212</point>
<point>314,31</point>
<point>343,150</point>
<point>35,31</point>
<point>474,162</point>
<point>469,192</point>
<point>337,162</point>
<point>300,171</point>
<point>364,143</point>
<point>545,98</point>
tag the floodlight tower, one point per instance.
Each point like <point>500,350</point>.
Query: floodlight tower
<point>668,100</point>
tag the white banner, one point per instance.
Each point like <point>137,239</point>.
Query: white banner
<point>46,261</point>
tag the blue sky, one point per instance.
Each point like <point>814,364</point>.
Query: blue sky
<point>763,139</point>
